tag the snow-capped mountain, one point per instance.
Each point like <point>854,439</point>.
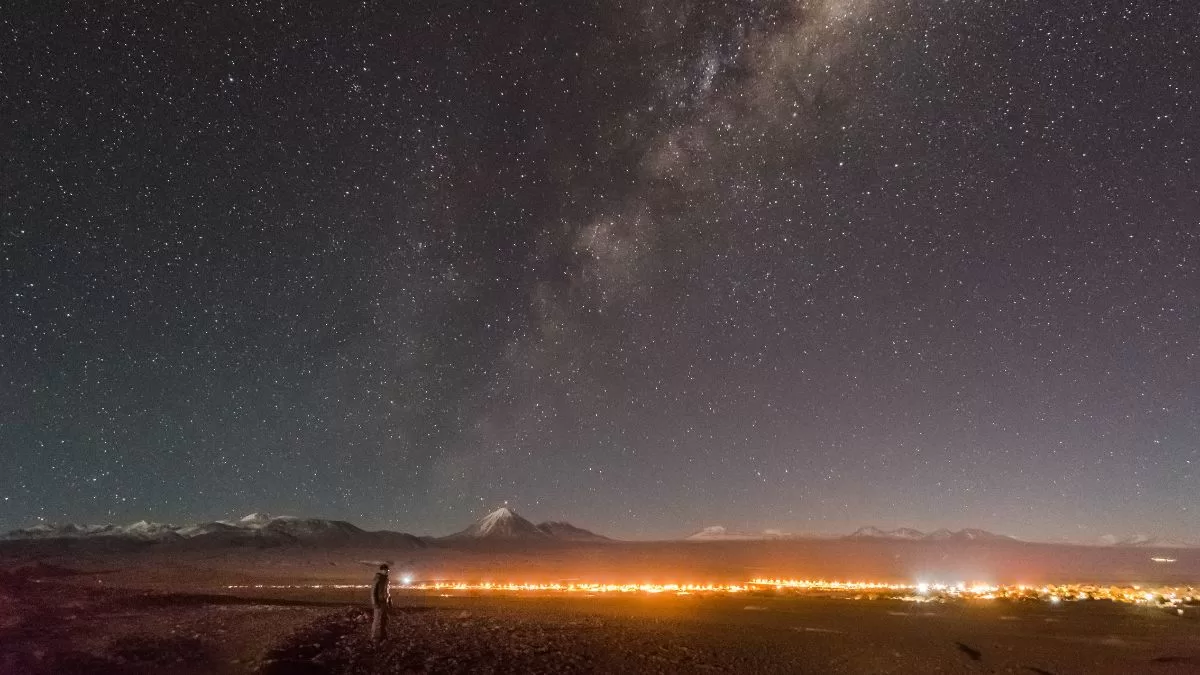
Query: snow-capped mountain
<point>309,528</point>
<point>503,523</point>
<point>901,533</point>
<point>254,520</point>
<point>150,531</point>
<point>201,529</point>
<point>910,534</point>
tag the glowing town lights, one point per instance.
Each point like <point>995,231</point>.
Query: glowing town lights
<point>1166,597</point>
<point>822,585</point>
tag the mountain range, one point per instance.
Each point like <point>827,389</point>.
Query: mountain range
<point>256,529</point>
<point>910,534</point>
<point>499,526</point>
<point>719,533</point>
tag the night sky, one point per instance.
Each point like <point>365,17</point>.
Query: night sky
<point>646,266</point>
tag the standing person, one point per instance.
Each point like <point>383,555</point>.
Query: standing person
<point>381,602</point>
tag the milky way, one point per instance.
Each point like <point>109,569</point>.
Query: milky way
<point>643,266</point>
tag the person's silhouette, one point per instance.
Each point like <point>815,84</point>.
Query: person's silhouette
<point>381,602</point>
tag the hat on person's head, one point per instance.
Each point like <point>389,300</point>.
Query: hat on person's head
<point>383,567</point>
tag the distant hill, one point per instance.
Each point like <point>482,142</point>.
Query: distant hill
<point>1146,541</point>
<point>720,533</point>
<point>564,531</point>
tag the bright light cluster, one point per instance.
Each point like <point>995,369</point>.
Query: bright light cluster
<point>823,585</point>
<point>580,587</point>
<point>1167,596</point>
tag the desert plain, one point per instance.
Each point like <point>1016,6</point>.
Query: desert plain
<point>72,608</point>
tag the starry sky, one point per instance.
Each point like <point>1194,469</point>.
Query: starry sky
<point>643,265</point>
